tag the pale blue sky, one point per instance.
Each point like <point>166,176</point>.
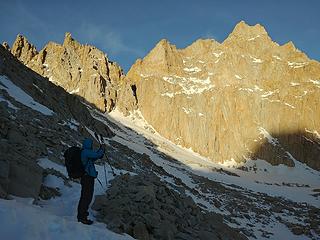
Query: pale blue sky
<point>129,29</point>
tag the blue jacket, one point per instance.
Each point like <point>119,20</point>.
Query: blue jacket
<point>88,156</point>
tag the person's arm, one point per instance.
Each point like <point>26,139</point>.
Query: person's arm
<point>94,155</point>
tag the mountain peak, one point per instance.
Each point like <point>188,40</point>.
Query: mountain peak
<point>23,50</point>
<point>243,29</point>
<point>289,45</point>
<point>161,51</point>
<point>69,40</point>
<point>163,43</point>
<point>201,46</point>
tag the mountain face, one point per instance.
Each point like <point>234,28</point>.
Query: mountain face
<point>245,98</point>
<point>80,69</point>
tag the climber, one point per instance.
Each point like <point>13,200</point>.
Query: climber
<point>88,156</point>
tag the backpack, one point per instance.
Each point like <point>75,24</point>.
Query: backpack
<point>73,162</point>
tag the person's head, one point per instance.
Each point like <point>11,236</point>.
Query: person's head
<point>87,143</point>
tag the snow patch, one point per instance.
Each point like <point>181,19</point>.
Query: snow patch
<point>167,94</point>
<point>256,60</point>
<point>297,64</point>
<point>267,94</point>
<point>237,76</point>
<point>21,96</point>
<point>315,133</point>
<point>75,91</point>
<point>289,105</point>
<point>145,76</point>
<point>317,82</point>
<point>45,163</point>
<point>217,54</point>
<point>193,70</point>
<point>257,88</point>
<point>293,84</point>
<point>37,87</point>
<point>276,57</point>
<point>304,94</point>
<point>246,89</point>
<point>187,110</point>
<point>190,85</point>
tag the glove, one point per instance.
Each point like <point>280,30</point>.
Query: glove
<point>103,147</point>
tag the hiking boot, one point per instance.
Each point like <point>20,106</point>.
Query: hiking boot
<point>85,221</point>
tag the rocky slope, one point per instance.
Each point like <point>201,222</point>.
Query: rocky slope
<point>80,69</point>
<point>37,119</point>
<point>244,98</point>
<point>146,208</point>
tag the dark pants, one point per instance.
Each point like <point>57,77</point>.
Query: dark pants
<point>87,188</point>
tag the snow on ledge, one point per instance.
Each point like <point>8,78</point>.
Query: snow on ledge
<point>256,60</point>
<point>297,64</point>
<point>253,38</point>
<point>267,135</point>
<point>317,82</point>
<point>75,91</point>
<point>237,76</point>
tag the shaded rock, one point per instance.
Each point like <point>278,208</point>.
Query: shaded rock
<point>25,179</point>
<point>47,193</point>
<point>140,231</point>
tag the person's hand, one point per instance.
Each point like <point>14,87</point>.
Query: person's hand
<point>103,147</point>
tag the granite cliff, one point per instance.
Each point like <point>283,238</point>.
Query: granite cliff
<point>225,100</point>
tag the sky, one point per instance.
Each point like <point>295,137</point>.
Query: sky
<point>128,29</point>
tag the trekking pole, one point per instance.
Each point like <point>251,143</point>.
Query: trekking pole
<point>99,138</point>
<point>111,167</point>
<point>105,173</point>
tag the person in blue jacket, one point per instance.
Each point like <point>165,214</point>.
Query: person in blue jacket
<point>88,156</point>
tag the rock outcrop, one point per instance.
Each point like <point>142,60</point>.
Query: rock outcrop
<point>226,100</point>
<point>80,69</point>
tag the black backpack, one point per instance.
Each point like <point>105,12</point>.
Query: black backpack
<point>73,162</point>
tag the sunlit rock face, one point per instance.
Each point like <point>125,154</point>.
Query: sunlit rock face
<point>80,69</point>
<point>247,97</point>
